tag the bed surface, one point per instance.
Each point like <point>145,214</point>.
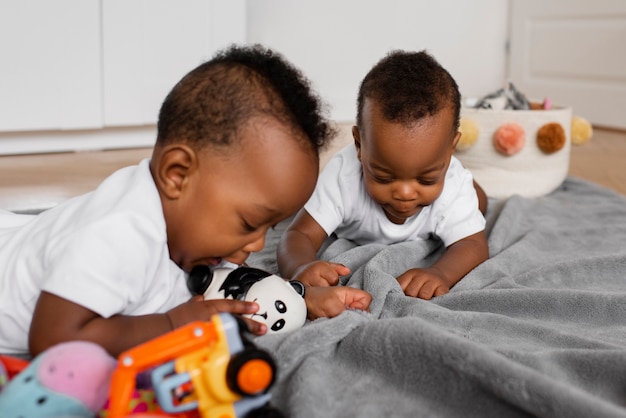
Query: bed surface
<point>537,330</point>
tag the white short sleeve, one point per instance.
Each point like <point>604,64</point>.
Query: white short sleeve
<point>456,210</point>
<point>336,190</point>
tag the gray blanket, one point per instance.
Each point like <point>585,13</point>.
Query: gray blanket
<point>537,330</point>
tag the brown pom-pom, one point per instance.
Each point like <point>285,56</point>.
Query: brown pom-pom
<point>551,137</point>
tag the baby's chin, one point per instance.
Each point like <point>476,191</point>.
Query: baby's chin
<point>400,218</point>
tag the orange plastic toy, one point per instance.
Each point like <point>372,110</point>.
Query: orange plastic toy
<point>13,365</point>
<point>205,369</point>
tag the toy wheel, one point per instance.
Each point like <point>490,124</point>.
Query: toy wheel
<point>266,411</point>
<point>251,372</point>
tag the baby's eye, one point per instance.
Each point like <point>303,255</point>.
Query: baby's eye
<point>280,306</point>
<point>427,182</point>
<point>382,180</point>
<point>247,226</point>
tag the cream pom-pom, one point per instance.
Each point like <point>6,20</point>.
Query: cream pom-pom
<point>469,134</point>
<point>582,131</point>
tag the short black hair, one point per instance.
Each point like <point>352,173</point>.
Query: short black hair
<point>409,86</point>
<point>211,102</point>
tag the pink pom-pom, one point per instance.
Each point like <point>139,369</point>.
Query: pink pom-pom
<point>509,139</point>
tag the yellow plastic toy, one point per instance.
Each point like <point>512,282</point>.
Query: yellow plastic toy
<point>206,369</point>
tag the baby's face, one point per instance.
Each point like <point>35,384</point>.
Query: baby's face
<point>236,195</point>
<point>404,167</point>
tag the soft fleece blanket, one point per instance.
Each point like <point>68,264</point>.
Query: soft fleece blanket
<point>537,330</point>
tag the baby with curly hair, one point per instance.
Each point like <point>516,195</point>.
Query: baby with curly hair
<point>398,182</point>
<point>237,151</point>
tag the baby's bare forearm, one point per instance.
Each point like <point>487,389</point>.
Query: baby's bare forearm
<point>58,320</point>
<point>119,333</point>
<point>116,334</point>
<point>461,257</point>
<point>294,250</point>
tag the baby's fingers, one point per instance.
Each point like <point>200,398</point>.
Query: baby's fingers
<point>255,327</point>
<point>430,289</point>
<point>331,273</point>
<point>341,269</point>
<point>441,290</point>
<point>405,280</point>
<point>231,306</point>
<point>418,286</point>
<point>358,299</point>
<point>239,307</point>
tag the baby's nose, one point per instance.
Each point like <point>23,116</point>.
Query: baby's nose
<point>405,191</point>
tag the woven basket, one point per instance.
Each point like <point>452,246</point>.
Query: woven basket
<point>528,173</point>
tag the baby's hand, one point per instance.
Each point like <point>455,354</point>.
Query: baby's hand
<point>198,309</point>
<point>423,283</point>
<point>331,301</point>
<point>321,273</point>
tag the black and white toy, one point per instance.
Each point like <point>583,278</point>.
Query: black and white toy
<point>281,303</point>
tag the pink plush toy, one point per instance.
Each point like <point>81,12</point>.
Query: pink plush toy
<point>4,376</point>
<point>69,379</point>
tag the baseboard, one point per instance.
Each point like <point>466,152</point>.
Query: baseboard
<point>41,142</point>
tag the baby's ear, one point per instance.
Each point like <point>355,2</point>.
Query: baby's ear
<point>172,168</point>
<point>357,140</point>
<point>455,141</point>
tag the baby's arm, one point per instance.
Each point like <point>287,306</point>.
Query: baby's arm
<point>482,198</point>
<point>297,254</point>
<point>458,259</point>
<point>57,320</point>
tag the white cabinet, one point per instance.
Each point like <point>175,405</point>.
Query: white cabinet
<point>50,65</point>
<point>149,45</point>
<point>92,64</point>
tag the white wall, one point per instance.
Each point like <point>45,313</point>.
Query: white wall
<point>336,42</point>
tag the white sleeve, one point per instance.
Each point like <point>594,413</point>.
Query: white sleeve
<point>460,216</point>
<point>101,266</point>
<point>327,205</point>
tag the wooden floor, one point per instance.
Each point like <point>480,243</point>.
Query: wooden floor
<point>41,181</point>
<point>602,160</point>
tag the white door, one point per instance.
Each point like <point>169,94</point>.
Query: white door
<point>573,51</point>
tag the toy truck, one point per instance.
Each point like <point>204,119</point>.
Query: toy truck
<point>205,369</point>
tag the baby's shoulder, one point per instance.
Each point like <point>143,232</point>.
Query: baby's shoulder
<point>458,184</point>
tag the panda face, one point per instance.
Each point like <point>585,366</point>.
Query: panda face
<point>281,303</point>
<point>281,306</point>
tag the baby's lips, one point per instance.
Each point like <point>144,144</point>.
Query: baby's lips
<point>214,261</point>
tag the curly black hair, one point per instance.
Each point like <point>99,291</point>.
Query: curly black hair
<point>214,100</point>
<point>409,86</point>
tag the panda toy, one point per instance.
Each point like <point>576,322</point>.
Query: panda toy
<point>281,303</point>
